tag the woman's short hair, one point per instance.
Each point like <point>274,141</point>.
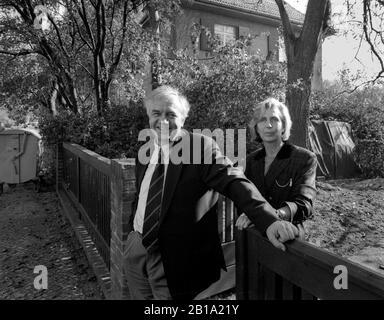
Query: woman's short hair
<point>258,112</point>
<point>164,93</point>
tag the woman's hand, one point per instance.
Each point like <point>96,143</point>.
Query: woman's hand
<point>243,222</point>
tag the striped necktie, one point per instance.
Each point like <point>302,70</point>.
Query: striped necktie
<point>153,207</point>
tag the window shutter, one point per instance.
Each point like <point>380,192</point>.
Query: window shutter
<point>259,46</point>
<point>205,39</point>
<point>243,32</point>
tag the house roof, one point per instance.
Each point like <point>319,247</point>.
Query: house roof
<point>264,7</point>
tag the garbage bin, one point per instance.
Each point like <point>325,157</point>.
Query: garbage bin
<point>19,155</point>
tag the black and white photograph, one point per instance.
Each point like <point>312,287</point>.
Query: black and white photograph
<point>204,152</point>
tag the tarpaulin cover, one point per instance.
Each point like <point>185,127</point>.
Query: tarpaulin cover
<point>332,143</point>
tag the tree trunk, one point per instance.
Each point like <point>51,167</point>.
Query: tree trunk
<point>53,98</point>
<point>301,53</point>
<point>297,96</point>
<point>298,103</point>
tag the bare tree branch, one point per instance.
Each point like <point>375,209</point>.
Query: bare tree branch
<point>367,18</point>
<point>122,42</point>
<point>19,53</point>
<point>58,36</point>
<point>83,15</point>
<point>89,45</point>
<point>86,69</point>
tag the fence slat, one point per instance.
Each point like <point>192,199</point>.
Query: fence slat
<point>228,220</point>
<point>221,217</point>
<point>241,265</point>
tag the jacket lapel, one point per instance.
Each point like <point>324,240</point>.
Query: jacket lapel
<point>258,170</point>
<point>279,164</point>
<point>171,179</point>
<point>173,174</point>
<point>140,171</point>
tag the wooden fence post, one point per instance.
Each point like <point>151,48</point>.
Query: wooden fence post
<point>241,252</point>
<point>123,192</point>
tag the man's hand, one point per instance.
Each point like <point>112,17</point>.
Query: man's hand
<point>281,231</point>
<point>243,222</point>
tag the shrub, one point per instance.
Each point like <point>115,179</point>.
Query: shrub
<point>369,154</point>
<point>113,135</point>
<point>363,109</point>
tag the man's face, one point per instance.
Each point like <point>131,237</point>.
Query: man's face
<point>166,117</point>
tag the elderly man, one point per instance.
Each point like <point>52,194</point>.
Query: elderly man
<point>174,252</point>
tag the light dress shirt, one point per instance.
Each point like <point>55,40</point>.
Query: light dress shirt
<point>145,184</point>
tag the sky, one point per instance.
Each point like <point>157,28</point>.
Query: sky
<point>340,50</point>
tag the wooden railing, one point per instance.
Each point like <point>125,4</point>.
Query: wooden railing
<point>302,272</point>
<point>95,184</point>
<point>86,180</point>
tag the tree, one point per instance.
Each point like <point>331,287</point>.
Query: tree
<point>371,29</point>
<point>301,51</point>
<point>90,43</point>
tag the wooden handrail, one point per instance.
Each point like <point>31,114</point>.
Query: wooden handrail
<point>307,268</point>
<point>92,158</point>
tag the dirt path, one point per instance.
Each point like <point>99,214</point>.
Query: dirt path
<point>33,232</point>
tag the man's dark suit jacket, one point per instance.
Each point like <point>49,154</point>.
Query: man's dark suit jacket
<point>290,179</point>
<point>190,249</point>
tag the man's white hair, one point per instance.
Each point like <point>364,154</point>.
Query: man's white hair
<point>163,93</point>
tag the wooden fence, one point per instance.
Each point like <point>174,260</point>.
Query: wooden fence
<point>86,181</point>
<point>302,272</point>
<point>103,191</point>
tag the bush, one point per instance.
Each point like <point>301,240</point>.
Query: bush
<point>113,135</point>
<point>363,109</point>
<point>369,154</point>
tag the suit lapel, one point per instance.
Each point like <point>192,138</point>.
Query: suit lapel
<point>171,179</point>
<point>173,174</point>
<point>278,165</point>
<point>141,168</point>
<point>258,169</point>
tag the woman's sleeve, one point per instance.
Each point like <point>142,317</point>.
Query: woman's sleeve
<point>303,190</point>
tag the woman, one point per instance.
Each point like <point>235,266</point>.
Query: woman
<point>284,173</point>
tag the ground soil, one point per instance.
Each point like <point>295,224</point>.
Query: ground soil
<point>349,220</point>
<point>34,232</point>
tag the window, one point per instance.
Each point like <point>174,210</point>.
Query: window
<point>225,34</point>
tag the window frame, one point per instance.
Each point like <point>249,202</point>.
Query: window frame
<point>224,39</point>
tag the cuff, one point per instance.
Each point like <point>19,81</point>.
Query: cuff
<point>292,207</point>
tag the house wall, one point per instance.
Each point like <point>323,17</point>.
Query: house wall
<point>190,16</point>
<point>263,28</point>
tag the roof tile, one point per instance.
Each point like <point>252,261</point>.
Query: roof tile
<point>267,7</point>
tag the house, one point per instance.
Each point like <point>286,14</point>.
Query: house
<point>233,19</point>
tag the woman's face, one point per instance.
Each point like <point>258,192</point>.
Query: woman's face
<point>270,126</point>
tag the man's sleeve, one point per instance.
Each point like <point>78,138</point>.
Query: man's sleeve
<point>221,176</point>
